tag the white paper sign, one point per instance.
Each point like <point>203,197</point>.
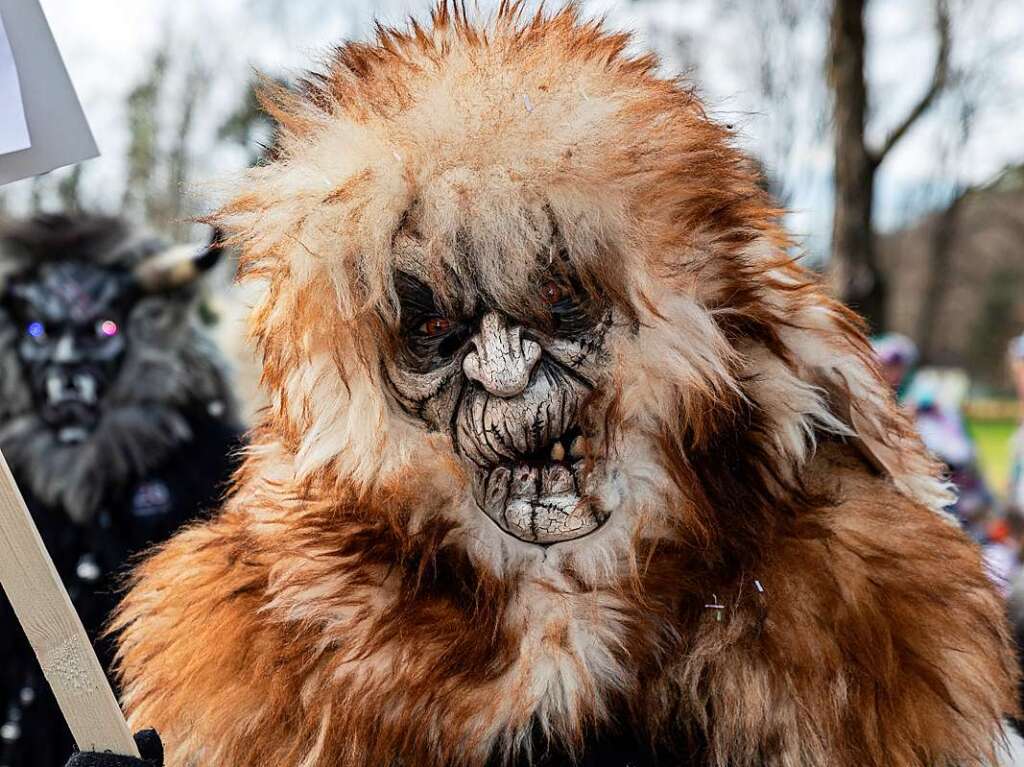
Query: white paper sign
<point>13,128</point>
<point>56,124</point>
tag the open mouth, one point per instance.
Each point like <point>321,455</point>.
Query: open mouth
<point>70,404</point>
<point>539,497</point>
<point>72,420</point>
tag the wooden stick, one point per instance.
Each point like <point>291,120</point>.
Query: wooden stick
<point>55,630</point>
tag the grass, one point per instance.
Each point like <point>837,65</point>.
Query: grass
<point>992,438</point>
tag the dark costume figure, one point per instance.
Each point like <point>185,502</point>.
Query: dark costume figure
<point>114,416</point>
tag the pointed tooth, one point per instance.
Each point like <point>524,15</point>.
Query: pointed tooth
<point>557,452</point>
<point>498,488</point>
<point>557,480</point>
<point>524,482</point>
<point>578,449</point>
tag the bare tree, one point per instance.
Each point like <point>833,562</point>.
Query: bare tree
<point>855,270</point>
<point>249,125</point>
<point>786,88</point>
<point>37,192</point>
<point>143,104</point>
<point>179,159</point>
<point>69,189</point>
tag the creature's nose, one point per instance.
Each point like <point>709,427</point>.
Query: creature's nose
<point>66,351</point>
<point>503,361</point>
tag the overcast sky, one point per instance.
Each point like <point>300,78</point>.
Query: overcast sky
<point>107,45</point>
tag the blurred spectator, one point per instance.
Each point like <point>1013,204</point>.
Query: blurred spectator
<point>937,408</point>
<point>897,357</point>
<point>1015,506</point>
<point>1015,496</point>
<point>935,401</point>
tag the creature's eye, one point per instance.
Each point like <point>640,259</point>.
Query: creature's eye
<point>436,327</point>
<point>36,330</point>
<point>572,313</point>
<point>107,329</point>
<point>555,292</point>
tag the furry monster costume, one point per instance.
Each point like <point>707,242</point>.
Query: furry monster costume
<point>114,416</point>
<point>561,446</point>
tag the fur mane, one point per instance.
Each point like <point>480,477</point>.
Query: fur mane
<point>758,447</point>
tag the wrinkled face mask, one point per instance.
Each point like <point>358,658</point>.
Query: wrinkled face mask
<point>71,317</point>
<point>511,394</point>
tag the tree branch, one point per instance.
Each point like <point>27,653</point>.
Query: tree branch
<point>940,76</point>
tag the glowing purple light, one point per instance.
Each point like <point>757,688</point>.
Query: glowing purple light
<point>108,328</point>
<point>36,329</point>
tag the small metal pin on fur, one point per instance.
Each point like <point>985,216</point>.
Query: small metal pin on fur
<point>718,608</point>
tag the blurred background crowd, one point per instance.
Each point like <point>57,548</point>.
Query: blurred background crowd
<point>891,130</point>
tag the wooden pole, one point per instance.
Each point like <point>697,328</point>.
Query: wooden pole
<point>55,630</point>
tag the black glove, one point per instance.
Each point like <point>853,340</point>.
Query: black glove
<point>150,747</point>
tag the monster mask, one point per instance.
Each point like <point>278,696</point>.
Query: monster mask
<point>72,317</point>
<point>510,391</point>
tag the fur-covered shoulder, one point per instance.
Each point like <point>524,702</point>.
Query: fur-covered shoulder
<point>852,642</point>
<point>252,639</point>
<point>194,614</point>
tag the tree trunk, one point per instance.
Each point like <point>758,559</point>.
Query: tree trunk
<point>855,273</point>
<point>940,259</point>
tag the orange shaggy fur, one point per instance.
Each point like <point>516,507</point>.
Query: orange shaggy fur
<point>346,607</point>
